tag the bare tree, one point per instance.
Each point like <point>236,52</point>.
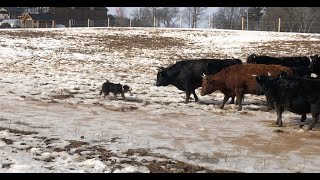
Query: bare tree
<point>305,17</point>
<point>168,16</point>
<point>255,16</point>
<point>271,18</point>
<point>120,18</point>
<point>123,12</point>
<point>228,17</point>
<point>194,15</point>
<point>294,19</point>
<point>142,17</point>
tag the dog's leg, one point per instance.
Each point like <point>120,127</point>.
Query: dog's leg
<point>124,98</point>
<point>105,94</point>
<point>115,95</point>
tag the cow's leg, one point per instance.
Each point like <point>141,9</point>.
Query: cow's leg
<point>280,110</point>
<point>239,94</point>
<point>269,104</point>
<point>303,117</point>
<point>236,102</point>
<point>232,100</point>
<point>188,93</point>
<point>188,90</point>
<point>315,115</point>
<point>195,96</point>
<point>225,99</point>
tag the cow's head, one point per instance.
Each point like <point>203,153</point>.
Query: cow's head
<point>315,58</point>
<point>261,79</point>
<point>207,85</point>
<point>162,77</point>
<point>252,58</point>
<point>315,61</point>
<point>264,82</point>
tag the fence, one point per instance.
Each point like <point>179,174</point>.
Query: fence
<point>280,25</point>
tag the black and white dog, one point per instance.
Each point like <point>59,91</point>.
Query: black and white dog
<point>108,87</point>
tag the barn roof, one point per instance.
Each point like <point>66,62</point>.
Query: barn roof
<point>41,16</point>
<point>3,10</point>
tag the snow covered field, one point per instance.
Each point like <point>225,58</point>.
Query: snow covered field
<point>53,120</point>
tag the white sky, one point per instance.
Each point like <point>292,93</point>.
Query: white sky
<point>40,65</point>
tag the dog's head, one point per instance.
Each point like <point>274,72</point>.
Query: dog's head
<point>126,88</point>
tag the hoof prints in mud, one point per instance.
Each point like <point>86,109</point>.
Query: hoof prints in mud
<point>153,162</point>
<point>62,96</point>
<point>15,131</point>
<point>123,108</point>
<point>7,141</point>
<point>202,158</point>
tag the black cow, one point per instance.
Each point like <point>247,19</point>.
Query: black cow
<point>297,95</point>
<point>294,61</point>
<point>299,65</point>
<point>108,87</point>
<point>315,64</point>
<point>186,75</point>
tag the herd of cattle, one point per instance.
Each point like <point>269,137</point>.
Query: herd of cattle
<point>286,82</point>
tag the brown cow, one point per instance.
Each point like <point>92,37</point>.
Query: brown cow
<point>239,79</point>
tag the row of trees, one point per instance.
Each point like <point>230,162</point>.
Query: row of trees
<point>293,19</point>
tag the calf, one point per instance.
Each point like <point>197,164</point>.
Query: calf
<point>297,95</point>
<point>108,87</point>
<point>237,80</point>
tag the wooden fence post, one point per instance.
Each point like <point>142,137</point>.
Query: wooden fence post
<point>88,22</point>
<point>279,25</point>
<point>108,22</point>
<point>130,23</point>
<point>242,23</point>
<point>69,23</point>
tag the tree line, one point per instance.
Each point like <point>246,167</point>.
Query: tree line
<point>292,19</point>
